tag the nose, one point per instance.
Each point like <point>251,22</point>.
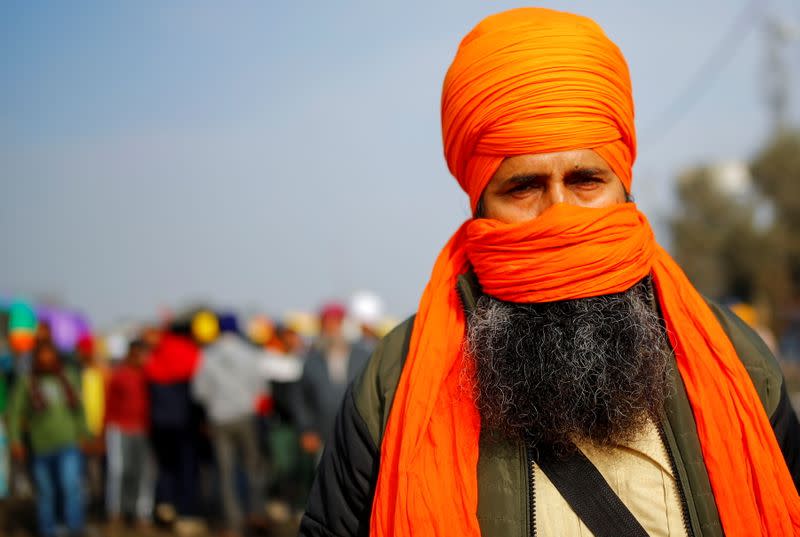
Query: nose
<point>556,193</point>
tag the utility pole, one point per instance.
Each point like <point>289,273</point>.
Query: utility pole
<point>777,80</point>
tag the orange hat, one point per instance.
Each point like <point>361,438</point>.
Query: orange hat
<point>534,80</point>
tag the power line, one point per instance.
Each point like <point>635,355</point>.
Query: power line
<point>721,54</point>
<point>779,34</point>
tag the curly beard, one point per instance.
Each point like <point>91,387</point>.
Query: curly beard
<point>591,369</point>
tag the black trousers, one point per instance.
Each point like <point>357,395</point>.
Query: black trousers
<point>175,451</point>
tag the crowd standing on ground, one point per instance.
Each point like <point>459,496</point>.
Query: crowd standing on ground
<point>201,423</point>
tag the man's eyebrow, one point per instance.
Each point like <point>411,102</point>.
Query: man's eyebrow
<point>585,172</point>
<point>522,178</point>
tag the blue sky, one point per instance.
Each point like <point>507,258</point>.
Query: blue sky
<point>270,155</point>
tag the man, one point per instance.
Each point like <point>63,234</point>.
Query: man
<point>174,422</point>
<point>130,484</point>
<point>6,368</point>
<point>227,384</point>
<point>93,378</point>
<point>291,469</point>
<point>561,376</point>
<point>48,402</point>
<point>331,364</point>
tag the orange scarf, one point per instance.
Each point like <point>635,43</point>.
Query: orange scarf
<point>428,482</point>
<point>533,81</point>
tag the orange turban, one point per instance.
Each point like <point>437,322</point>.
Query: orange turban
<point>535,80</point>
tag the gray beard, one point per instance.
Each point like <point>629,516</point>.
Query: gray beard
<point>592,369</point>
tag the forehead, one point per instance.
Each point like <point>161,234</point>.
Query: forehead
<point>551,163</point>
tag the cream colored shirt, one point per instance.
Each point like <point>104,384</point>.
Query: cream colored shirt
<point>337,361</point>
<point>640,473</point>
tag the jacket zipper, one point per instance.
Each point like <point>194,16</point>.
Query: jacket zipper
<point>678,485</point>
<point>531,490</point>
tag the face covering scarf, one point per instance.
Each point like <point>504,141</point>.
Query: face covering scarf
<point>530,81</point>
<point>428,483</point>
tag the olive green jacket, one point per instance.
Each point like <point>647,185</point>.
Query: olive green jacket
<point>341,498</point>
<point>53,428</point>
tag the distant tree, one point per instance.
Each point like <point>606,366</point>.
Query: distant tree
<point>714,236</point>
<point>724,243</point>
<point>776,173</point>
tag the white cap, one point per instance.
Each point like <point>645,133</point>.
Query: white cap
<point>366,308</point>
<point>117,346</point>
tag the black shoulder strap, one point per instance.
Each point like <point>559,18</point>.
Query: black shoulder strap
<point>587,492</point>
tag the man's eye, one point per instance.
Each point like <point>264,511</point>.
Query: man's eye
<point>523,187</point>
<point>589,180</point>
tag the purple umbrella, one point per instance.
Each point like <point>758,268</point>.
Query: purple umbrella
<point>65,326</point>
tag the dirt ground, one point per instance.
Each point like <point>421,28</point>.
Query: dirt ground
<point>18,519</point>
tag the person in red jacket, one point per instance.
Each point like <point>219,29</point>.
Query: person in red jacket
<point>175,422</point>
<point>130,481</point>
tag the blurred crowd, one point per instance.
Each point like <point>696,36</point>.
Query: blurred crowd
<point>207,420</point>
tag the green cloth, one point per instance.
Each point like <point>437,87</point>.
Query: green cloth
<point>3,393</point>
<point>292,470</point>
<point>57,426</point>
<point>6,368</point>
